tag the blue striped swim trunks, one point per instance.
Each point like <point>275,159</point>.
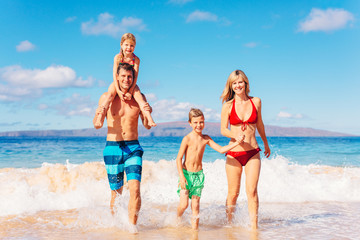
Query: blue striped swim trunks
<point>123,156</point>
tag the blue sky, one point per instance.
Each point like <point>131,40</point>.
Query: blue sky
<point>301,57</point>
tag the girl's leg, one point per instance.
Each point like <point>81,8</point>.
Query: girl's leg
<point>184,202</point>
<point>252,171</point>
<point>233,174</point>
<point>104,104</point>
<point>195,207</point>
<point>141,100</point>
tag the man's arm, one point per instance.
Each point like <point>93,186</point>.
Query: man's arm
<point>100,110</point>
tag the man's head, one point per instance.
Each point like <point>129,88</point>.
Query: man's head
<point>125,76</point>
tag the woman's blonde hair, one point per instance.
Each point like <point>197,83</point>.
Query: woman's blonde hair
<point>228,93</point>
<point>126,36</point>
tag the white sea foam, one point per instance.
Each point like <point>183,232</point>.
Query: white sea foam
<point>72,186</point>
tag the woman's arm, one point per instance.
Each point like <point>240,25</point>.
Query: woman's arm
<point>225,112</point>
<point>261,128</point>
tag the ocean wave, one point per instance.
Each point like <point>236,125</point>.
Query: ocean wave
<point>73,186</point>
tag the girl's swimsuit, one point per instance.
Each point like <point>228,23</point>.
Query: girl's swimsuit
<point>133,60</point>
<point>243,156</point>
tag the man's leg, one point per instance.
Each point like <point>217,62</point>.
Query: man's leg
<point>134,201</point>
<point>114,194</point>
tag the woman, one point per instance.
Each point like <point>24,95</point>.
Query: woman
<point>244,115</point>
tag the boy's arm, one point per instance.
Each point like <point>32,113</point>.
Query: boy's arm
<point>116,83</point>
<point>226,148</point>
<point>179,166</point>
<point>136,68</point>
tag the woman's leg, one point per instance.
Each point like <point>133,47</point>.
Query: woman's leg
<point>233,174</point>
<point>141,100</point>
<point>252,171</point>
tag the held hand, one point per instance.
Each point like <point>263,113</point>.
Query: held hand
<point>240,139</point>
<point>121,96</point>
<point>127,96</point>
<point>267,151</point>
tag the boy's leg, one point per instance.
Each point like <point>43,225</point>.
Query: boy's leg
<point>140,99</point>
<point>184,202</point>
<point>104,104</point>
<point>195,207</point>
<point>114,194</point>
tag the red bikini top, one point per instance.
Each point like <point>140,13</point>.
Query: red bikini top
<point>234,119</point>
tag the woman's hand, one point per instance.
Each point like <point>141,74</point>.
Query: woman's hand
<point>240,139</point>
<point>267,151</point>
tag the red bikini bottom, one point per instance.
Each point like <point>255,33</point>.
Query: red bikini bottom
<point>244,156</point>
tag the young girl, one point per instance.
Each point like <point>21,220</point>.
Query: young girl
<point>126,55</point>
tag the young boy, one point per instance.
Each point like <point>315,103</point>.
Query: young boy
<point>191,174</point>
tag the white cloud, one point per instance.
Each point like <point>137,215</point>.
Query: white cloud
<point>181,2</point>
<point>70,19</point>
<point>326,20</point>
<point>250,44</point>
<point>43,106</point>
<point>201,16</point>
<point>25,46</point>
<point>286,115</point>
<point>170,110</point>
<point>106,25</point>
<point>76,105</point>
<point>151,97</point>
<point>16,82</point>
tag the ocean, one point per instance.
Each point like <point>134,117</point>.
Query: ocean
<point>57,188</point>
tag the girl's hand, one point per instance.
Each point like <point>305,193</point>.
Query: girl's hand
<point>121,96</point>
<point>127,96</point>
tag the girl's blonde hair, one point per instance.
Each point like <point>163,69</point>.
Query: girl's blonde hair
<point>126,36</point>
<point>228,93</point>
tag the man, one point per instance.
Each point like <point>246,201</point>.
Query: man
<point>122,151</point>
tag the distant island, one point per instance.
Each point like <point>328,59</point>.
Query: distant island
<point>175,129</point>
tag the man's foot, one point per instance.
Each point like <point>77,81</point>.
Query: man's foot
<point>99,117</point>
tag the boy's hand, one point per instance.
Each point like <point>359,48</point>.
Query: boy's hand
<point>183,182</point>
<point>240,139</point>
<point>127,96</point>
